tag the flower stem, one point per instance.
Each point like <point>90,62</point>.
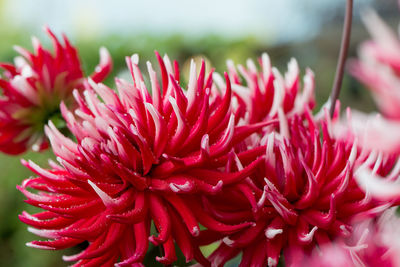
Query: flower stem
<point>344,47</point>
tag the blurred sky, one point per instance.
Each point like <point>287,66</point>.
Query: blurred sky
<point>271,20</point>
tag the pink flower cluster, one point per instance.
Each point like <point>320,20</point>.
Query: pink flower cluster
<point>239,160</point>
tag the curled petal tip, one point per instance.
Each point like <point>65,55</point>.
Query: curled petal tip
<point>34,245</point>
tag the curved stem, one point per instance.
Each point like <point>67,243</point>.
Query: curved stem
<point>344,47</point>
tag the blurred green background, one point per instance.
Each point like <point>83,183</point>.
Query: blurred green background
<point>318,50</point>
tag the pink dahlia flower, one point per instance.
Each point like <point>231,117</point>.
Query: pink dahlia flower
<point>382,188</point>
<point>304,196</point>
<point>33,88</point>
<point>379,69</point>
<point>379,65</point>
<point>372,131</point>
<point>138,159</point>
<point>372,243</point>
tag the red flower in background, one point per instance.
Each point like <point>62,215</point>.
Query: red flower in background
<point>138,159</point>
<point>305,195</point>
<point>33,88</point>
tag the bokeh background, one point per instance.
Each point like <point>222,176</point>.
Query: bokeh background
<point>309,30</point>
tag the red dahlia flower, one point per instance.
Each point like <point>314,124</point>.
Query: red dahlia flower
<point>138,159</point>
<point>33,89</point>
<point>304,196</point>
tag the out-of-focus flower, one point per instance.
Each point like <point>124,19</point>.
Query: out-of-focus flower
<point>305,195</point>
<point>378,66</point>
<point>372,131</point>
<point>139,159</point>
<point>380,138</point>
<point>385,189</point>
<point>373,243</point>
<point>34,86</point>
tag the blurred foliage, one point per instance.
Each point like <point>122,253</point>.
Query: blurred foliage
<point>319,54</point>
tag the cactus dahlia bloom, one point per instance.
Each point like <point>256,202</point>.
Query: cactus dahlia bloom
<point>260,95</point>
<point>305,195</point>
<point>138,159</point>
<point>33,88</point>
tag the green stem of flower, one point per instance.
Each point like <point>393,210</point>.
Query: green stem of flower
<point>344,47</point>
